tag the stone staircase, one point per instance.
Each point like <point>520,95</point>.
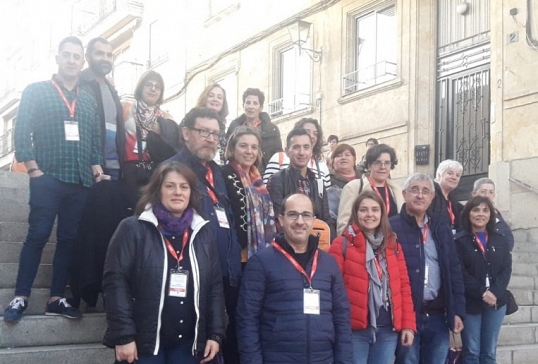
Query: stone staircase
<point>38,338</point>
<point>518,341</point>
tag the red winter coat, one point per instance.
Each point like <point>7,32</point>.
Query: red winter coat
<point>356,279</point>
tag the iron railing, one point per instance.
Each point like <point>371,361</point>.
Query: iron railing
<point>369,76</point>
<point>286,105</point>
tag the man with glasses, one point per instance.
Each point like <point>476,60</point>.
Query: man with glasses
<point>293,307</point>
<point>299,178</point>
<point>434,273</point>
<point>201,134</point>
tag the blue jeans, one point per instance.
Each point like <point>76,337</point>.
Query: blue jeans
<point>479,337</point>
<point>431,342</point>
<point>181,354</point>
<point>50,197</point>
<point>366,351</point>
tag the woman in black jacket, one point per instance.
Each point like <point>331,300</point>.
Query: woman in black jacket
<point>162,280</point>
<point>486,266</point>
<point>250,201</point>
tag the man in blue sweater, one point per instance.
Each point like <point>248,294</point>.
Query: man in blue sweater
<point>293,307</point>
<point>434,273</point>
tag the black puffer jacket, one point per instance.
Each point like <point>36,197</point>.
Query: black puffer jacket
<point>270,134</point>
<point>135,277</point>
<point>497,263</point>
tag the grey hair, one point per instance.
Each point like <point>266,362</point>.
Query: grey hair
<point>445,166</point>
<point>418,177</point>
<point>482,181</point>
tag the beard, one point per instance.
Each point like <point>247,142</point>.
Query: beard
<point>205,154</point>
<point>101,68</point>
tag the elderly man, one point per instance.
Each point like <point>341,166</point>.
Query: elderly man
<point>299,178</point>
<point>293,307</point>
<point>201,134</point>
<point>434,273</point>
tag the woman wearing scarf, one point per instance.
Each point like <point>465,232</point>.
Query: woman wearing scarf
<point>250,201</point>
<point>162,278</point>
<point>377,283</point>
<point>150,135</point>
<point>486,264</point>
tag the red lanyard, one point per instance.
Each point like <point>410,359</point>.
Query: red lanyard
<point>479,242</point>
<point>425,233</point>
<point>71,106</point>
<point>378,268</point>
<point>209,177</point>
<point>297,266</point>
<point>450,213</point>
<point>173,252</point>
<point>387,200</point>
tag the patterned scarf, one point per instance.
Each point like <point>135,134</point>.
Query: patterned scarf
<point>171,224</point>
<point>146,117</point>
<point>261,228</point>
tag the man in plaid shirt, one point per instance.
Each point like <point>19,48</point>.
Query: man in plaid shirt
<point>57,136</point>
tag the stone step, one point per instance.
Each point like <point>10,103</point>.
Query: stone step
<point>525,297</point>
<point>517,354</point>
<point>10,252</point>
<point>36,303</point>
<point>8,272</point>
<point>14,196</point>
<point>525,257</point>
<point>13,180</point>
<point>525,269</point>
<point>65,354</point>
<point>525,314</point>
<point>14,213</point>
<point>52,330</point>
<point>16,232</point>
<point>525,246</point>
<point>522,282</point>
<point>518,334</point>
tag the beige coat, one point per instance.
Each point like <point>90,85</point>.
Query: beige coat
<point>350,194</point>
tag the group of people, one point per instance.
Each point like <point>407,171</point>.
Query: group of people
<point>202,263</point>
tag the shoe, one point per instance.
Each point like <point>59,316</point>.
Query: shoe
<point>62,308</point>
<point>15,309</point>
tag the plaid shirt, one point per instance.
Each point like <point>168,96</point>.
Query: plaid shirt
<point>40,133</point>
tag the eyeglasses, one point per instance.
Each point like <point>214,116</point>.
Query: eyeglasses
<point>294,215</point>
<point>382,163</point>
<point>486,192</point>
<point>415,191</point>
<point>154,85</point>
<point>204,133</point>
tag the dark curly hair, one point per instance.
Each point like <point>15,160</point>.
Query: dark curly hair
<point>374,152</point>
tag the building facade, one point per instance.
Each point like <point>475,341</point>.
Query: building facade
<point>435,79</point>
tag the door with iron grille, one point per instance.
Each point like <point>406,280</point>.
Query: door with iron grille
<point>462,125</point>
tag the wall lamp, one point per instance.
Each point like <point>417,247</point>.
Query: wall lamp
<point>299,34</point>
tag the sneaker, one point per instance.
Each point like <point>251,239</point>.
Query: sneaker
<point>62,308</point>
<point>15,309</point>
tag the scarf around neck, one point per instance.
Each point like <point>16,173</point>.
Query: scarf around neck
<point>171,224</point>
<point>378,287</point>
<point>146,117</point>
<point>261,228</point>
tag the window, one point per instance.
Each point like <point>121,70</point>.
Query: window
<point>158,52</point>
<point>293,84</point>
<point>375,48</point>
<point>126,72</point>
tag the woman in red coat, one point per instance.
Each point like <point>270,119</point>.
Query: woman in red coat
<point>377,283</point>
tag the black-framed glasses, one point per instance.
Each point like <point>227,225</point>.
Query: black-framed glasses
<point>294,215</point>
<point>154,85</point>
<point>204,133</point>
<point>382,163</point>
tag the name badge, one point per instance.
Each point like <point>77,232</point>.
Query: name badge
<point>221,216</point>
<point>71,131</point>
<point>320,186</point>
<point>311,301</point>
<point>135,150</point>
<point>453,231</point>
<point>487,281</point>
<point>178,283</point>
<point>426,273</point>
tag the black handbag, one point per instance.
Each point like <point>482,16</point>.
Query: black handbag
<point>511,306</point>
